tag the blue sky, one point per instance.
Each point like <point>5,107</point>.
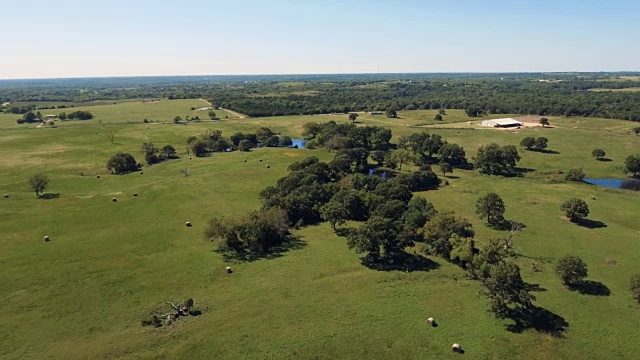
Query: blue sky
<point>73,38</point>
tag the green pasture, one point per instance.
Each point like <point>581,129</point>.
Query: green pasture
<point>108,264</point>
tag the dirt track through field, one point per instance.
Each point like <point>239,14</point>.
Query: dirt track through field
<point>238,115</point>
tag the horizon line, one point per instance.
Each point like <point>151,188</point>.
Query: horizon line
<point>324,74</point>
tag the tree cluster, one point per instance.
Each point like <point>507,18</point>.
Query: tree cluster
<point>536,144</point>
<point>333,136</point>
<point>209,141</point>
<point>431,148</point>
<point>153,155</point>
<point>79,115</point>
<point>494,159</point>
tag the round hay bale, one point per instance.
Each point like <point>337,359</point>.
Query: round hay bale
<point>114,199</point>
<point>260,160</point>
<point>245,160</point>
<point>456,348</point>
<point>593,197</point>
<point>135,194</point>
<point>141,172</point>
<point>268,167</point>
<point>6,196</point>
<point>229,270</point>
<point>189,157</point>
<point>431,321</point>
<point>46,238</point>
<point>188,224</point>
<point>97,176</point>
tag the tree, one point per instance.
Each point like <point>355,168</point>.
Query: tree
<point>177,119</point>
<point>212,114</point>
<point>286,141</point>
<point>391,113</point>
<point>337,142</point>
<point>29,116</point>
<point>378,156</point>
<point>571,270</point>
<point>541,143</point>
<point>636,130</point>
<point>632,164</point>
<point>445,168</point>
<point>245,145</point>
<point>506,290</point>
<point>598,153</point>
<point>111,135</point>
<point>168,151</point>
<point>634,287</point>
<point>575,175</point>
<point>491,207</point>
<point>441,228</point>
<point>311,130</point>
<point>353,117</point>
<point>544,122</point>
<point>38,183</point>
<point>198,147</point>
<point>401,157</point>
<point>442,112</point>
<point>493,159</point>
<point>335,213</point>
<point>453,154</point>
<point>528,142</point>
<point>122,163</point>
<point>62,116</point>
<point>438,117</point>
<point>39,116</point>
<point>575,209</point>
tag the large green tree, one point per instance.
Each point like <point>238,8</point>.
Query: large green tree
<point>571,270</point>
<point>506,290</point>
<point>575,209</point>
<point>122,163</point>
<point>632,164</point>
<point>441,228</point>
<point>493,159</point>
<point>491,207</point>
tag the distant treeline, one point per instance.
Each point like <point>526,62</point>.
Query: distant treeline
<point>541,94</point>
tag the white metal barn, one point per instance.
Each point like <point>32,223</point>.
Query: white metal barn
<point>502,123</point>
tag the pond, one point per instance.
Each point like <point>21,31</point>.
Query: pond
<point>380,173</point>
<point>615,183</point>
<point>299,143</point>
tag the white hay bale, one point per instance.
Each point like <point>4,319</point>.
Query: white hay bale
<point>114,199</point>
<point>97,176</point>
<point>135,194</point>
<point>188,224</point>
<point>6,196</point>
<point>189,157</point>
<point>141,172</point>
<point>593,197</point>
<point>229,270</point>
<point>260,160</point>
<point>268,167</point>
<point>456,347</point>
<point>431,321</point>
<point>46,238</point>
<point>245,160</point>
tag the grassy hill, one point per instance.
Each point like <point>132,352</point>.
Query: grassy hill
<point>108,264</point>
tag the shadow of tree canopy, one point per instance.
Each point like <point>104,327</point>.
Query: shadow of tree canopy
<point>534,288</point>
<point>49,196</point>
<point>591,224</point>
<point>291,243</point>
<point>539,319</point>
<point>404,262</point>
<point>593,288</point>
<point>604,159</point>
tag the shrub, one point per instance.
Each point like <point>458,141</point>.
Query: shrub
<point>575,209</point>
<point>575,175</point>
<point>598,153</point>
<point>571,270</point>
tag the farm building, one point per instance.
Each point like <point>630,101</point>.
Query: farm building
<point>375,112</point>
<point>50,117</point>
<point>501,123</point>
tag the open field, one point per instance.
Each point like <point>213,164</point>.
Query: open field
<point>630,89</point>
<point>132,111</point>
<point>82,295</point>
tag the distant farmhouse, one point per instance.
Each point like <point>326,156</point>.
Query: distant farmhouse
<point>376,113</point>
<point>502,123</point>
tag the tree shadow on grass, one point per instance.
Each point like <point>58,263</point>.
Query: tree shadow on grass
<point>591,224</point>
<point>534,287</point>
<point>593,288</point>
<point>545,151</point>
<point>604,159</point>
<point>291,243</point>
<point>49,196</point>
<point>405,262</point>
<point>505,225</point>
<point>539,319</point>
<point>452,177</point>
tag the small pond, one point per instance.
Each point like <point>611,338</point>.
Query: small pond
<point>615,183</point>
<point>299,143</point>
<point>380,173</point>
